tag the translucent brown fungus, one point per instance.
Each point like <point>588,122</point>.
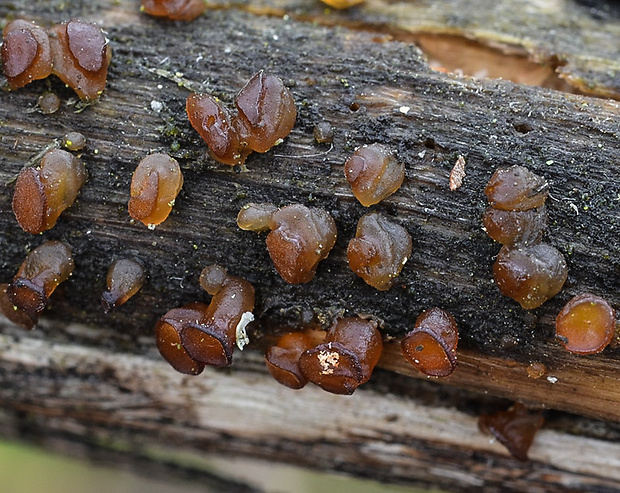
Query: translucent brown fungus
<point>431,345</point>
<point>256,217</point>
<point>42,193</point>
<point>74,141</point>
<point>516,189</point>
<point>530,275</point>
<point>379,250</point>
<point>49,103</point>
<point>323,133</point>
<point>346,359</point>
<point>176,10</point>
<point>168,337</point>
<point>373,173</point>
<point>283,359</point>
<point>511,228</point>
<point>586,324</point>
<point>26,54</point>
<point>125,278</point>
<point>341,4</point>
<point>155,185</point>
<point>41,272</point>
<point>515,429</point>
<point>13,313</point>
<point>81,56</point>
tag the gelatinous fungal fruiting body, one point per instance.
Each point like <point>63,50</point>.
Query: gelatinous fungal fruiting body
<point>176,10</point>
<point>530,275</point>
<point>80,56</point>
<point>346,359</point>
<point>283,359</point>
<point>125,278</point>
<point>26,54</point>
<point>586,324</point>
<point>42,193</point>
<point>39,275</point>
<point>379,250</point>
<point>515,429</point>
<point>515,228</point>
<point>516,189</point>
<point>155,185</point>
<point>74,141</point>
<point>341,4</point>
<point>373,173</point>
<point>431,345</point>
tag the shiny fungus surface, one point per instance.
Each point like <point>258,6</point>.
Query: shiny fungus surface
<point>586,324</point>
<point>155,185</point>
<point>283,359</point>
<point>346,359</point>
<point>176,10</point>
<point>431,345</point>
<point>516,189</point>
<point>26,54</point>
<point>13,313</point>
<point>373,173</point>
<point>530,275</point>
<point>125,278</point>
<point>74,141</point>
<point>42,193</point>
<point>379,250</point>
<point>515,228</point>
<point>256,217</point>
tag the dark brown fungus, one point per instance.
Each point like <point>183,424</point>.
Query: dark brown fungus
<point>516,189</point>
<point>512,228</point>
<point>177,10</point>
<point>323,133</point>
<point>74,141</point>
<point>515,429</point>
<point>373,173</point>
<point>41,272</point>
<point>125,278</point>
<point>346,359</point>
<point>379,250</point>
<point>42,193</point>
<point>586,324</point>
<point>155,185</point>
<point>49,103</point>
<point>283,359</point>
<point>530,275</point>
<point>14,313</point>
<point>81,56</point>
<point>256,217</point>
<point>26,54</point>
<point>431,345</point>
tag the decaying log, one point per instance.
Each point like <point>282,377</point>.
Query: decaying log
<point>85,373</point>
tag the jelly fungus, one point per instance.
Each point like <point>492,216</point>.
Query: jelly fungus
<point>431,345</point>
<point>74,141</point>
<point>13,313</point>
<point>256,217</point>
<point>81,56</point>
<point>176,10</point>
<point>515,429</point>
<point>516,189</point>
<point>168,332</point>
<point>515,228</point>
<point>283,359</point>
<point>42,193</point>
<point>125,278</point>
<point>379,250</point>
<point>49,103</point>
<point>26,54</point>
<point>346,359</point>
<point>323,133</point>
<point>211,339</point>
<point>341,4</point>
<point>41,272</point>
<point>155,185</point>
<point>586,324</point>
<point>373,173</point>
<point>530,275</point>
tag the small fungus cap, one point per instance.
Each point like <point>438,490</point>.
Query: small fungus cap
<point>516,189</point>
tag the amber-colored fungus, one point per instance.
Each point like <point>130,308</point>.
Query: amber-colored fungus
<point>125,278</point>
<point>42,193</point>
<point>74,141</point>
<point>256,217</point>
<point>373,173</point>
<point>26,54</point>
<point>283,359</point>
<point>379,250</point>
<point>516,189</point>
<point>346,359</point>
<point>176,10</point>
<point>80,55</point>
<point>530,275</point>
<point>155,185</point>
<point>515,228</point>
<point>431,345</point>
<point>14,313</point>
<point>515,429</point>
<point>41,272</point>
<point>586,324</point>
<point>342,4</point>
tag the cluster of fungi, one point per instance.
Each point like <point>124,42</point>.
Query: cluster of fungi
<point>298,238</point>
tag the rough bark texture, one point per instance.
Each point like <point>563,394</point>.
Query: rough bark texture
<point>372,84</point>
